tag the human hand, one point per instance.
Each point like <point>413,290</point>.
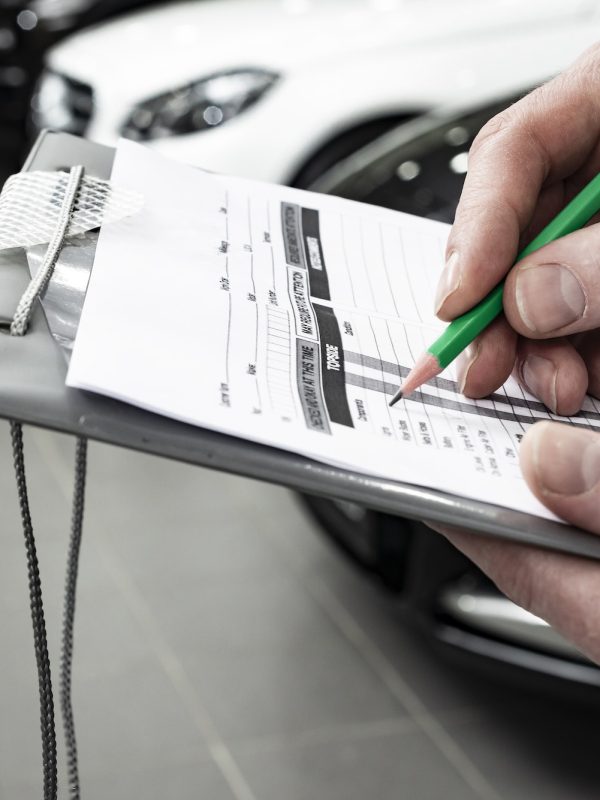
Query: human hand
<point>524,166</point>
<point>561,465</point>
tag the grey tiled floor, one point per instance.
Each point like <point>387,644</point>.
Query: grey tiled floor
<point>224,651</point>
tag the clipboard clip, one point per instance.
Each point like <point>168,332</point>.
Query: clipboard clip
<point>45,207</point>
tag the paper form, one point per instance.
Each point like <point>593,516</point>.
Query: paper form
<point>288,318</point>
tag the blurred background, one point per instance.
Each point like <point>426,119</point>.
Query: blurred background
<point>235,640</point>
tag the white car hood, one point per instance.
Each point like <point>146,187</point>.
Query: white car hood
<point>161,49</point>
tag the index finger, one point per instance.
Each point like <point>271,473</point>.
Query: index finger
<point>541,139</point>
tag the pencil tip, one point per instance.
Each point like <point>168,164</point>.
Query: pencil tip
<point>396,397</point>
<point>426,367</point>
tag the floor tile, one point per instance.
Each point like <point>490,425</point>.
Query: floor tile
<point>186,781</point>
<point>183,782</point>
<point>442,684</point>
<point>265,661</point>
<point>132,721</point>
<point>402,767</point>
<point>282,696</point>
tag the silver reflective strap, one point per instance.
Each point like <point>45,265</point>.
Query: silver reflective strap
<point>31,201</point>
<point>61,222</point>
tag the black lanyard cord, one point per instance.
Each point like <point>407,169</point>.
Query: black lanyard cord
<point>39,624</point>
<point>66,659</point>
<point>47,718</point>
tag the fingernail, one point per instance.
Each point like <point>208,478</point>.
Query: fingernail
<point>563,464</point>
<point>549,296</point>
<point>539,376</point>
<point>449,281</point>
<point>464,363</point>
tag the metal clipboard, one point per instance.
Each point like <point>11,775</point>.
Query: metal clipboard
<point>33,391</point>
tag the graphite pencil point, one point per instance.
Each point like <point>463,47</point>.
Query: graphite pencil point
<point>397,397</point>
<point>426,367</point>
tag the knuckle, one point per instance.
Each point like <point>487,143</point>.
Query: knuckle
<point>515,119</point>
<point>491,131</point>
<point>515,130</point>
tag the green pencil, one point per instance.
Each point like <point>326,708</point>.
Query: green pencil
<point>461,331</point>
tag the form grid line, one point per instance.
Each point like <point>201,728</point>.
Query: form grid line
<point>386,270</point>
<point>280,391</point>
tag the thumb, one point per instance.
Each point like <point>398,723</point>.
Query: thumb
<point>561,465</point>
<point>556,290</point>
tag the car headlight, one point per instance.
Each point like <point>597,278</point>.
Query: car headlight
<point>61,103</point>
<point>198,106</point>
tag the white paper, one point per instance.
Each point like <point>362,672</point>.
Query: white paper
<point>287,317</point>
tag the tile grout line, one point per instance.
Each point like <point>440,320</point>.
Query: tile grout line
<point>400,689</point>
<point>167,658</point>
<point>341,734</point>
<point>391,678</point>
<point>178,677</point>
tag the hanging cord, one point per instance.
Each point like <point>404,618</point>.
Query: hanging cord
<point>39,624</point>
<point>66,661</point>
<point>49,754</point>
<point>19,327</point>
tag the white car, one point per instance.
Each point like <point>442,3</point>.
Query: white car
<point>280,89</point>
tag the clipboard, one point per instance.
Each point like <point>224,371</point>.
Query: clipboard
<point>33,391</point>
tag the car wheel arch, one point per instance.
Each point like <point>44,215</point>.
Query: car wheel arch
<point>347,138</point>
